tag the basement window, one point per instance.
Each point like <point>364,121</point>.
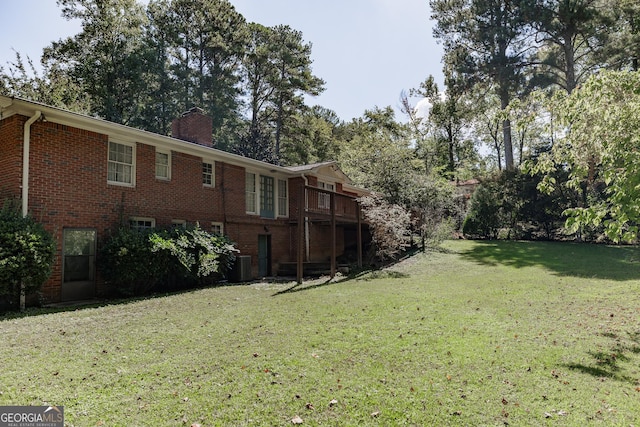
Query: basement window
<point>139,223</point>
<point>217,228</point>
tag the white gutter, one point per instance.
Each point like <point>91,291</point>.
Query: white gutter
<point>26,142</point>
<point>306,218</point>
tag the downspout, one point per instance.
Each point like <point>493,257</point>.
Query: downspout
<point>26,142</point>
<point>306,218</point>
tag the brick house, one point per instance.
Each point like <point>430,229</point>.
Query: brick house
<point>85,177</point>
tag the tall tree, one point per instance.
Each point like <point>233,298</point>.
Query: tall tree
<point>107,58</point>
<point>51,86</point>
<point>602,147</point>
<point>445,146</point>
<point>622,48</point>
<point>205,41</point>
<point>293,77</point>
<point>378,156</point>
<point>258,73</point>
<point>568,34</point>
<point>277,75</point>
<point>484,41</point>
<point>313,136</point>
<point>160,106</point>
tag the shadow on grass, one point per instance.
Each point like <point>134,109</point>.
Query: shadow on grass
<point>565,259</point>
<point>92,304</point>
<point>307,286</point>
<point>367,274</point>
<point>610,363</point>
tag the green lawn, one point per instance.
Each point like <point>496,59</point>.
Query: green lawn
<point>491,333</point>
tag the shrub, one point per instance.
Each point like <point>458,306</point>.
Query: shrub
<point>485,217</point>
<point>510,206</point>
<point>128,264</point>
<point>26,254</point>
<point>133,262</point>
<point>390,226</point>
<point>197,254</point>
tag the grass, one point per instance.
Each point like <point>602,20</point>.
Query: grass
<point>481,333</point>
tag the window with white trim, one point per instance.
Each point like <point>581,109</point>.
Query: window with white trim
<point>121,164</point>
<point>140,223</point>
<point>207,174</point>
<point>250,193</point>
<point>283,199</point>
<point>178,223</point>
<point>217,228</point>
<point>324,199</point>
<point>163,163</point>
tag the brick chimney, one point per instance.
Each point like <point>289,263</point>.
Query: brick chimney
<point>193,126</point>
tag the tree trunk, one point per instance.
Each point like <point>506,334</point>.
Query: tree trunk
<point>570,68</point>
<point>23,297</point>
<point>506,128</point>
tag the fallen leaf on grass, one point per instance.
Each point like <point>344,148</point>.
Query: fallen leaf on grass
<point>296,420</point>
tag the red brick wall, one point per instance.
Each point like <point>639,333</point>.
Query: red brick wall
<point>68,188</point>
<point>11,135</point>
<point>320,242</point>
<point>193,126</point>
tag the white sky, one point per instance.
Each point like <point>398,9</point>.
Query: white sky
<point>367,51</point>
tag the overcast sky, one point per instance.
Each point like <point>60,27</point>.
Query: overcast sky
<point>367,51</point>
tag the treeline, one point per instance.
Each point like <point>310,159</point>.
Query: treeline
<point>143,66</point>
<point>549,87</point>
<point>515,72</point>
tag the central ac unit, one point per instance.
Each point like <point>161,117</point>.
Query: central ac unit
<point>242,269</point>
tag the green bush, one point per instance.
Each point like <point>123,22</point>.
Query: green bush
<point>26,254</point>
<point>128,264</point>
<point>133,262</point>
<point>195,253</point>
<point>510,206</point>
<point>485,216</point>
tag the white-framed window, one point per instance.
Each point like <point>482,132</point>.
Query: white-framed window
<point>283,198</point>
<point>141,223</point>
<point>208,177</point>
<point>121,164</point>
<point>324,199</point>
<point>178,223</point>
<point>163,165</point>
<point>217,228</point>
<point>250,191</point>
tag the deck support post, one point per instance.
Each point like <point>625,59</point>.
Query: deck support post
<point>333,235</point>
<point>301,232</point>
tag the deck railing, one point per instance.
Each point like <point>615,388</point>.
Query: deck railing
<point>318,201</point>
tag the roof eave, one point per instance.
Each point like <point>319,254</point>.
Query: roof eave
<point>122,133</point>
